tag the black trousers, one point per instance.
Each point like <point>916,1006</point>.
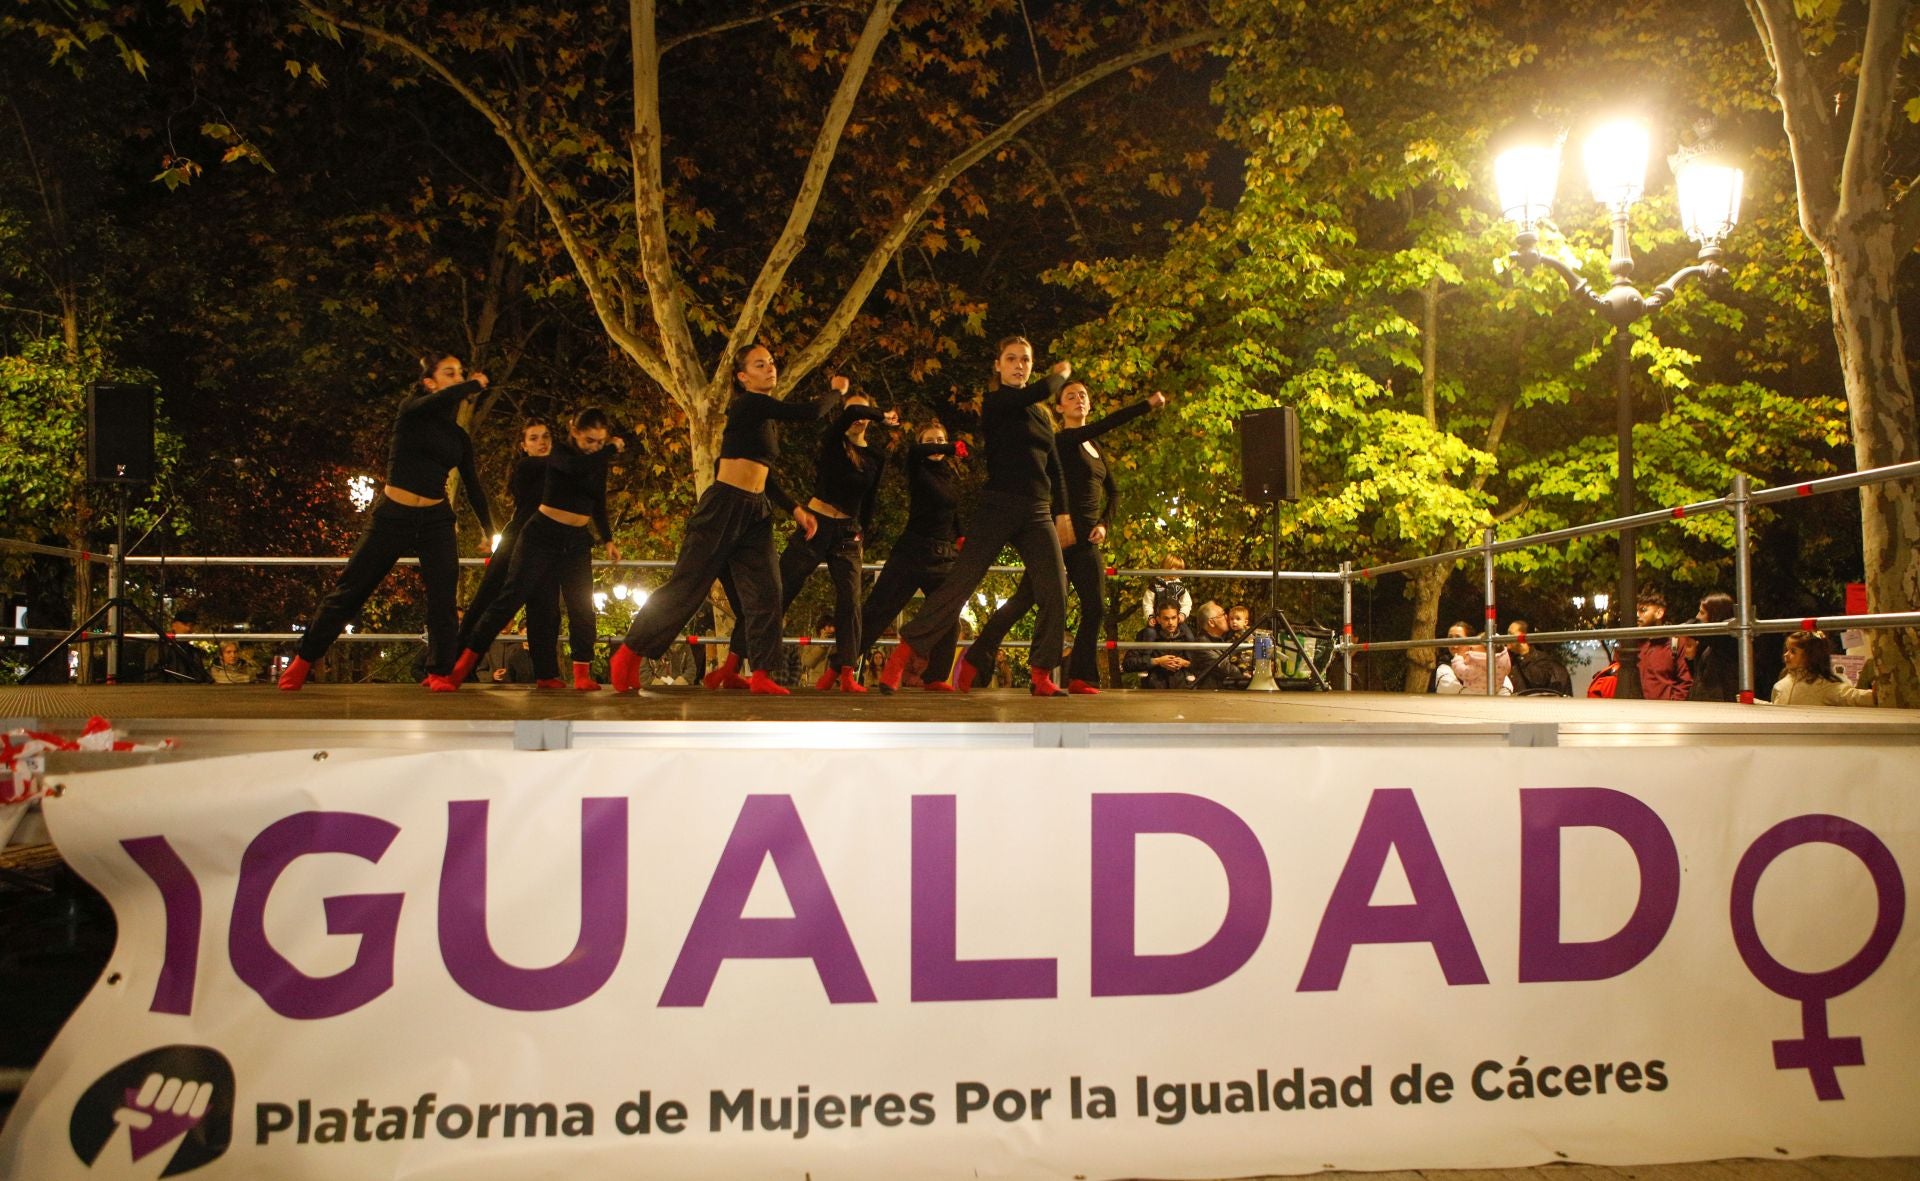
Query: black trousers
<point>999,520</point>
<point>492,579</point>
<point>397,531</point>
<point>1087,572</point>
<point>731,530</point>
<point>837,543</point>
<point>549,560</point>
<point>916,565</point>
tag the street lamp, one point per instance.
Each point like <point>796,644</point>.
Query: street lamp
<point>1527,174</point>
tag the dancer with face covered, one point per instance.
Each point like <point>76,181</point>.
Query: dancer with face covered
<point>846,476</point>
<point>554,558</point>
<point>923,554</point>
<point>1016,506</point>
<point>411,518</point>
<point>1093,496</point>
<point>731,529</point>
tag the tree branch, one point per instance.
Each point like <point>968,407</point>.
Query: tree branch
<point>1803,112</point>
<point>793,236</point>
<point>678,39</point>
<point>643,354</point>
<point>836,325</point>
<point>650,210</point>
<point>1861,188</point>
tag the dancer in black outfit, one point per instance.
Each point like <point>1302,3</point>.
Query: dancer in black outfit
<point>731,529</point>
<point>923,554</point>
<point>529,477</point>
<point>412,517</point>
<point>1024,483</point>
<point>554,557</point>
<point>845,476</point>
<point>1092,497</point>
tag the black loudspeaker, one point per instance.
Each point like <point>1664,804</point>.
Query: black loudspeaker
<point>119,433</point>
<point>1270,455</point>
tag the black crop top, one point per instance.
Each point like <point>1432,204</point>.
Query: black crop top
<point>845,475</point>
<point>428,442</point>
<point>933,503</point>
<point>577,483</point>
<point>753,432</point>
<point>1017,433</point>
<point>1092,493</point>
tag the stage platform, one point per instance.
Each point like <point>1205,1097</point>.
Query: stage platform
<point>222,719</point>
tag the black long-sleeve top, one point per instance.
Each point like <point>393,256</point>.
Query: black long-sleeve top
<point>1092,493</point>
<point>576,482</point>
<point>753,433</point>
<point>846,475</point>
<point>528,479</point>
<point>1017,433</point>
<point>428,442</point>
<point>933,503</point>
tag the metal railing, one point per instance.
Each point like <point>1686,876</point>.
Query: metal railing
<point>1744,625</point>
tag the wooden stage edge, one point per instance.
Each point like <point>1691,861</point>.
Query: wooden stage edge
<point>221,719</point>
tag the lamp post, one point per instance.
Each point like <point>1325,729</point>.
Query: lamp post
<point>1527,174</point>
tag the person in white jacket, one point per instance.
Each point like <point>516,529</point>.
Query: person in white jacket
<point>1810,679</point>
<point>1466,673</point>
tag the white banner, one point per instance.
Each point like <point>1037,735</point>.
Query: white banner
<point>1046,964</point>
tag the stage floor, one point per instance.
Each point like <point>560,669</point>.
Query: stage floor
<point>219,719</point>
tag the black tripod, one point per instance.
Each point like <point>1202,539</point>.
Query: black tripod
<point>174,656</point>
<point>1273,621</point>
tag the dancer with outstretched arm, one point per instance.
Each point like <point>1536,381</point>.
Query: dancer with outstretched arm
<point>1093,495</point>
<point>731,529</point>
<point>923,554</point>
<point>846,475</point>
<point>411,518</point>
<point>529,477</point>
<point>554,558</point>
<point>1024,483</point>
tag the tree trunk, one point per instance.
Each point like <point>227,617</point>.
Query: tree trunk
<point>1861,267</point>
<point>1423,589</point>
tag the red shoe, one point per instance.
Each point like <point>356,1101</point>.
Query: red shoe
<point>1043,685</point>
<point>295,678</point>
<point>826,679</point>
<point>1076,685</point>
<point>850,683</point>
<point>462,669</point>
<point>623,669</point>
<point>762,683</point>
<point>720,678</point>
<point>439,684</point>
<point>549,683</point>
<point>937,687</point>
<point>583,677</point>
<point>896,667</point>
<point>963,680</point>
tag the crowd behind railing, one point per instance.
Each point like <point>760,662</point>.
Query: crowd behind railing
<point>1182,645</point>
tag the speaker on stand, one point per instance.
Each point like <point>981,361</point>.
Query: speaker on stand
<point>120,451</point>
<point>1270,474</point>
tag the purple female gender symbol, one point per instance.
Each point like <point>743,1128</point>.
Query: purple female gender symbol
<point>1818,1053</point>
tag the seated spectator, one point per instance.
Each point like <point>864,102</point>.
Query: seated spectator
<point>1536,670</point>
<point>507,660</point>
<point>1810,679</point>
<point>1713,660</point>
<point>813,656</point>
<point>233,667</point>
<point>1466,673</point>
<point>1222,674</point>
<point>1165,669</point>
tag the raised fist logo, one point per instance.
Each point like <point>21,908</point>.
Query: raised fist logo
<point>164,1113</point>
